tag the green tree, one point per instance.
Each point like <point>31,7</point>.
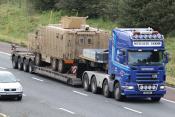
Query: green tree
<point>159,14</point>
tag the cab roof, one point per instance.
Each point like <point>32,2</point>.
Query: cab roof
<point>127,36</point>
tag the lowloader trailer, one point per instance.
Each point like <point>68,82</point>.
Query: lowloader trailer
<point>133,66</point>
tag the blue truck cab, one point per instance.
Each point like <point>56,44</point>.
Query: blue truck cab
<point>136,63</point>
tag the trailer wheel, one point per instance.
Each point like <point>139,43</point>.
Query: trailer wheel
<point>14,62</point>
<point>117,92</point>
<point>94,87</point>
<point>54,64</point>
<point>38,59</point>
<point>105,89</point>
<point>26,65</point>
<point>20,64</point>
<point>61,66</point>
<point>31,67</point>
<point>155,99</point>
<point>86,82</point>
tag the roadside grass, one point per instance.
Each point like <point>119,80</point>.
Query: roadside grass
<point>170,46</point>
<point>15,24</point>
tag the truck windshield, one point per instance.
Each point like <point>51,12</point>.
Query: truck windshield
<point>145,58</point>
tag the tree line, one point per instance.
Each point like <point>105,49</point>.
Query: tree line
<point>158,14</point>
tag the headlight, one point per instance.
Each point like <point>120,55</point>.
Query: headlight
<point>19,89</point>
<point>162,87</point>
<point>129,87</point>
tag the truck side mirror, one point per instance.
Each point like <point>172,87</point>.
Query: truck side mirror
<point>167,57</point>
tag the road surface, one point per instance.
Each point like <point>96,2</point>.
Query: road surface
<point>44,97</point>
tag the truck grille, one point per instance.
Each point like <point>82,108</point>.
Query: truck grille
<point>147,87</point>
<point>147,76</point>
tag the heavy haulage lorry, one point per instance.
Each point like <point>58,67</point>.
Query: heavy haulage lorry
<point>131,65</point>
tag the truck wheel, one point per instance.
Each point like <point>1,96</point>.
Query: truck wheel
<point>94,87</point>
<point>26,65</point>
<point>20,64</point>
<point>86,82</point>
<point>38,59</point>
<point>117,92</point>
<point>31,67</point>
<point>155,99</point>
<point>106,91</point>
<point>61,66</point>
<point>14,62</point>
<point>54,64</point>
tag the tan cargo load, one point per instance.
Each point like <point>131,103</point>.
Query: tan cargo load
<point>73,22</point>
<point>53,42</point>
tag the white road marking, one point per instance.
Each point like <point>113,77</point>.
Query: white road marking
<point>168,100</point>
<point>63,109</point>
<point>132,110</point>
<point>37,79</point>
<point>3,68</point>
<point>5,53</point>
<point>80,93</point>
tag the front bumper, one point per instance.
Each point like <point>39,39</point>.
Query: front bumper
<point>135,93</point>
<point>10,94</point>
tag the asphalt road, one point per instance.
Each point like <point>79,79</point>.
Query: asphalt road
<point>44,97</point>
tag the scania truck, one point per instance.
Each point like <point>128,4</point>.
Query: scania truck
<point>133,65</point>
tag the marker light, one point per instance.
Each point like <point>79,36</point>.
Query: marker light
<point>154,87</point>
<point>141,87</point>
<point>145,36</point>
<point>154,36</point>
<point>150,36</point>
<point>145,87</point>
<point>141,36</point>
<point>149,87</point>
<point>159,36</point>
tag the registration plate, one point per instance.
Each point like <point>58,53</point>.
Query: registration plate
<point>148,92</point>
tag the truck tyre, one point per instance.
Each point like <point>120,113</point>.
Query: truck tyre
<point>155,99</point>
<point>31,67</point>
<point>105,89</point>
<point>94,87</point>
<point>61,66</point>
<point>38,59</point>
<point>20,64</point>
<point>54,64</point>
<point>26,65</point>
<point>86,82</point>
<point>117,92</point>
<point>14,62</point>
